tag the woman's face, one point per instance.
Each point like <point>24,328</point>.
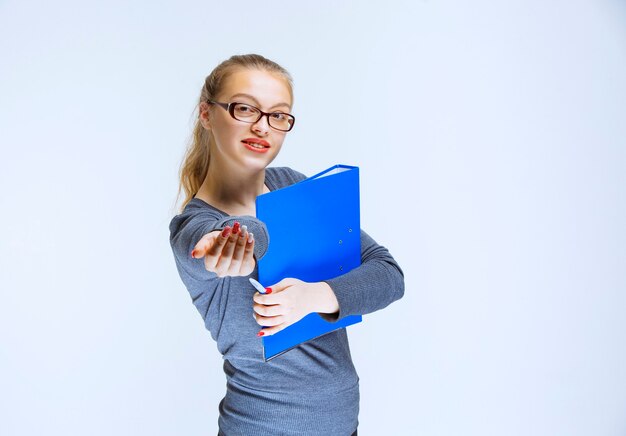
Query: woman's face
<point>268,92</point>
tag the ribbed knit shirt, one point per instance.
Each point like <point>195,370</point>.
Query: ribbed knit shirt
<point>313,389</point>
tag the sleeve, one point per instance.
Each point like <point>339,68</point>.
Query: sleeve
<point>376,283</point>
<point>209,293</point>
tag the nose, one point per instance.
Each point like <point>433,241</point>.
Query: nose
<point>262,126</point>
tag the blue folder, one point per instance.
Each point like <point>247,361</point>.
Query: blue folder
<point>315,234</point>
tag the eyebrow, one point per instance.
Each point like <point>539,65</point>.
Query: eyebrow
<point>257,101</point>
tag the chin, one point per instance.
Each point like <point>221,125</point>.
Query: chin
<point>259,163</point>
<point>264,160</point>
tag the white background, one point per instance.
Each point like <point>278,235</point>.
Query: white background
<point>492,147</point>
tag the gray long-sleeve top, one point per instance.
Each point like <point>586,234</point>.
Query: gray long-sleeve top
<point>313,389</point>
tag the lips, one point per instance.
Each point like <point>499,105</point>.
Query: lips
<point>255,144</point>
<point>256,141</point>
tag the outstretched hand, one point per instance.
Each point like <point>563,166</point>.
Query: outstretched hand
<point>228,252</point>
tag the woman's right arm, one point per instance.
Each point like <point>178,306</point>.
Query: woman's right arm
<point>208,281</point>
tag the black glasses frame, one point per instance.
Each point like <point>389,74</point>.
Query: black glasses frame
<point>230,108</point>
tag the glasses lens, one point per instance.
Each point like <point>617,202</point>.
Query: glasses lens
<point>281,121</point>
<point>245,112</point>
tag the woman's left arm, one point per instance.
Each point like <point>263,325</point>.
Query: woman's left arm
<point>373,285</point>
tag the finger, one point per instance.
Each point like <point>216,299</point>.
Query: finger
<point>269,321</point>
<point>240,248</point>
<point>213,255</point>
<point>248,262</point>
<point>220,239</point>
<point>226,256</point>
<point>199,250</point>
<point>268,331</point>
<point>283,284</point>
<point>267,311</point>
<point>236,227</point>
<point>264,299</point>
<point>249,246</point>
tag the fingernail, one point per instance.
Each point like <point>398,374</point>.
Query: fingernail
<point>260,333</point>
<point>250,237</point>
<point>226,232</point>
<point>236,228</point>
<point>268,290</point>
<point>193,253</point>
<point>244,229</point>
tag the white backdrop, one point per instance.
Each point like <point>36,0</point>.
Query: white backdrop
<point>492,147</point>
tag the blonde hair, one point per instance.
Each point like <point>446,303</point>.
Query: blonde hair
<point>195,165</point>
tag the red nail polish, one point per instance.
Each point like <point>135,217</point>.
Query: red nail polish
<point>236,228</point>
<point>268,290</point>
<point>260,333</point>
<point>226,232</point>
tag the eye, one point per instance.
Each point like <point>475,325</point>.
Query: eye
<point>245,111</point>
<point>279,116</point>
<point>244,108</point>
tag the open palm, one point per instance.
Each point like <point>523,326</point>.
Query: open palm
<point>227,252</point>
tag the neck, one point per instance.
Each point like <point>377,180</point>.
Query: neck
<point>232,189</point>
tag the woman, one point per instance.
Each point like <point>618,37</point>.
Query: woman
<point>313,389</point>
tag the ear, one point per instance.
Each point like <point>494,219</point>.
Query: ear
<point>203,115</point>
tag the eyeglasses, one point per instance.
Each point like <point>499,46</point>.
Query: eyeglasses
<point>251,114</point>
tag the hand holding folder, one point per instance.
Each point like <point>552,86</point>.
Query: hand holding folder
<point>314,228</point>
